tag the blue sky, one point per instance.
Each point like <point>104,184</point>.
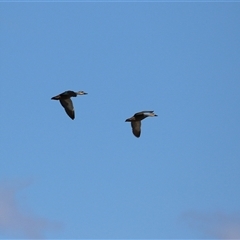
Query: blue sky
<point>91,178</point>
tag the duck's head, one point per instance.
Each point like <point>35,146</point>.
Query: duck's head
<point>81,93</point>
<point>152,115</point>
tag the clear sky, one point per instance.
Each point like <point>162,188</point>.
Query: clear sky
<point>90,177</point>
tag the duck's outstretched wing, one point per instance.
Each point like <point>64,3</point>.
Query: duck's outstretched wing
<point>136,128</point>
<point>68,106</point>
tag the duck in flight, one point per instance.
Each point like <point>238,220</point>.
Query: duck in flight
<point>136,121</point>
<point>66,102</point>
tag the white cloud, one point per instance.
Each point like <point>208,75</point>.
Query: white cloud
<point>16,221</point>
<point>217,225</point>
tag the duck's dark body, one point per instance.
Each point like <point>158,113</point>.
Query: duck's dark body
<point>136,121</point>
<point>66,102</point>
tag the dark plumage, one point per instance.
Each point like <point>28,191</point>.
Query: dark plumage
<point>66,102</point>
<point>136,121</point>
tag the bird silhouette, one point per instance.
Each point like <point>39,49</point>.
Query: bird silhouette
<point>66,102</point>
<point>136,121</point>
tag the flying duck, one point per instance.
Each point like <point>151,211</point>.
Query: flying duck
<point>66,102</point>
<point>136,121</point>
